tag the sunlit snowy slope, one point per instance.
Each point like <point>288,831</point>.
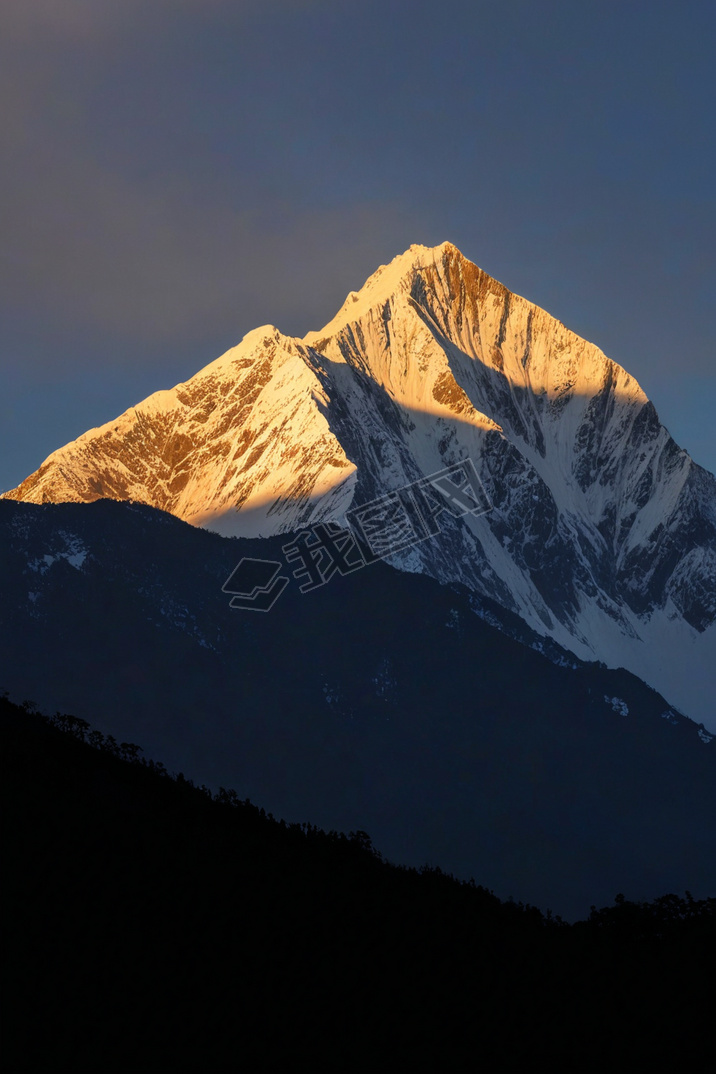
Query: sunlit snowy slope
<point>602,533</point>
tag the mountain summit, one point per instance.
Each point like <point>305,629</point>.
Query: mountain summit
<point>602,533</point>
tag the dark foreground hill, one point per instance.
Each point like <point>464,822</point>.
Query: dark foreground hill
<point>150,925</point>
<point>381,700</point>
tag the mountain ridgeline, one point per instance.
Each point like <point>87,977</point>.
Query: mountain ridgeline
<point>602,531</point>
<point>381,701</point>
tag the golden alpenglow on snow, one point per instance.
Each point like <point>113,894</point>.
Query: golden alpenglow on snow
<point>602,534</point>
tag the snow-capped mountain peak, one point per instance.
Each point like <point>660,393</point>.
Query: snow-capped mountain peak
<point>602,534</point>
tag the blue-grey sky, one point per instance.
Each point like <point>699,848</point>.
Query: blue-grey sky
<point>175,173</point>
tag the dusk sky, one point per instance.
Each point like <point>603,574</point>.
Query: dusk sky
<point>178,172</point>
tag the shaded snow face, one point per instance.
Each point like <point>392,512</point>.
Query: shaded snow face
<point>602,534</point>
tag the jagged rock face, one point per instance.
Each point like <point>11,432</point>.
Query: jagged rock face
<point>602,533</point>
<point>226,440</point>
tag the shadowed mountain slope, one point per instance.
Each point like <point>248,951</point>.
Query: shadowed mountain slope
<point>147,925</point>
<point>381,701</point>
<point>602,533</point>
